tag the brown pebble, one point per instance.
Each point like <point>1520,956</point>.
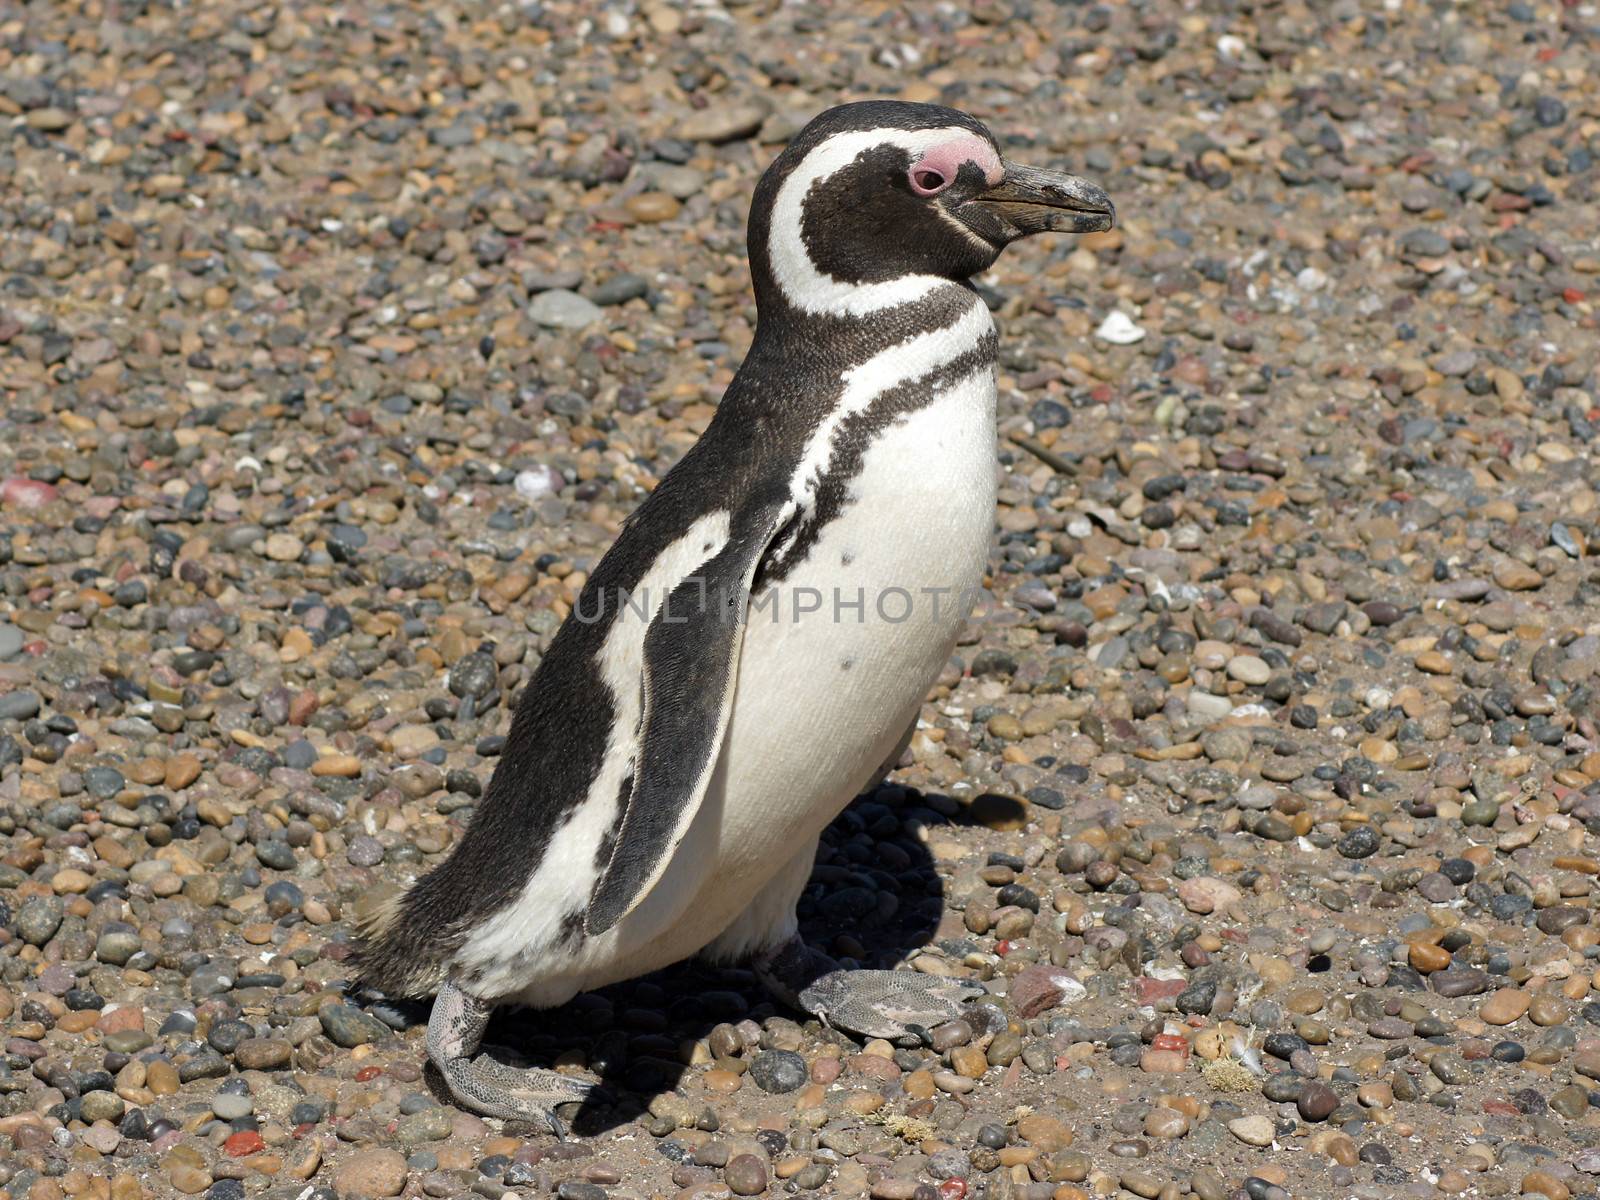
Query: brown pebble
<point>1504,1006</point>
<point>1427,958</point>
<point>1542,1183</point>
<point>650,207</point>
<point>745,1175</point>
<point>969,1061</point>
<point>1547,1008</point>
<point>1165,1123</point>
<point>372,1173</point>
<point>1158,1061</point>
<point>161,1077</point>
<point>180,772</point>
<point>1044,1133</point>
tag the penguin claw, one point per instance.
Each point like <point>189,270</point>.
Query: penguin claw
<point>889,1004</point>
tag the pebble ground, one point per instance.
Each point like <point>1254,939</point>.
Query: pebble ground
<point>336,340</point>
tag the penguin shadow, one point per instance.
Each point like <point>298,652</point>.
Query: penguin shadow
<point>874,897</point>
<point>992,810</point>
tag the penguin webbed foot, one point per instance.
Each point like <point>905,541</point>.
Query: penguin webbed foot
<point>897,1005</point>
<point>482,1083</point>
<point>492,1089</point>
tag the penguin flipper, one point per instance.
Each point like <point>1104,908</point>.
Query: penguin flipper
<point>691,661</point>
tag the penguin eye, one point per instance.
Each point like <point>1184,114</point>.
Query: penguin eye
<point>925,181</point>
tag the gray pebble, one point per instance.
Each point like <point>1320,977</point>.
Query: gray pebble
<point>103,782</point>
<point>561,309</point>
<point>430,1125</point>
<point>39,918</point>
<point>20,704</point>
<point>348,1027</point>
<point>619,289</point>
<point>230,1107</point>
<point>777,1070</point>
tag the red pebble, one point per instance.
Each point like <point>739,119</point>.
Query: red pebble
<point>26,494</point>
<point>1002,948</point>
<point>1149,990</point>
<point>1170,1041</point>
<point>1572,295</point>
<point>243,1144</point>
<point>367,1073</point>
<point>953,1188</point>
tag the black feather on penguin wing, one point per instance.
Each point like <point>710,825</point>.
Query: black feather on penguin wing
<point>691,660</point>
<point>558,739</point>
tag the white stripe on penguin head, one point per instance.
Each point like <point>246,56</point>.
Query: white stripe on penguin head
<point>806,287</point>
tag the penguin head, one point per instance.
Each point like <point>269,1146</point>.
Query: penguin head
<point>882,192</point>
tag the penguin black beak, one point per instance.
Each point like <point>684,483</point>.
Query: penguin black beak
<point>1033,200</point>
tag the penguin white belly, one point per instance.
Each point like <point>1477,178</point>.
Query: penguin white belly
<point>837,660</point>
<point>824,694</point>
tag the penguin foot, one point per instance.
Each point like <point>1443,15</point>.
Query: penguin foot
<point>484,1084</point>
<point>897,1005</point>
<point>492,1089</point>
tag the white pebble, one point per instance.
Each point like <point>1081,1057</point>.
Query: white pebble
<point>1205,707</point>
<point>563,309</point>
<point>1247,668</point>
<point>538,482</point>
<point>1118,329</point>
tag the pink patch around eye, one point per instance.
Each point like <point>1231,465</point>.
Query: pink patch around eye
<point>937,169</point>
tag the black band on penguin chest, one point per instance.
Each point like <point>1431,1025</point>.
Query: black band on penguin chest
<point>847,457</point>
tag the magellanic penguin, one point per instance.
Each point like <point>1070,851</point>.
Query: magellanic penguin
<point>749,654</point>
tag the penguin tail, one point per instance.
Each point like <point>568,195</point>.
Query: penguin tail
<point>394,954</point>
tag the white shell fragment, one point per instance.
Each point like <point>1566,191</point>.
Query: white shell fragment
<point>1118,329</point>
<point>538,482</point>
